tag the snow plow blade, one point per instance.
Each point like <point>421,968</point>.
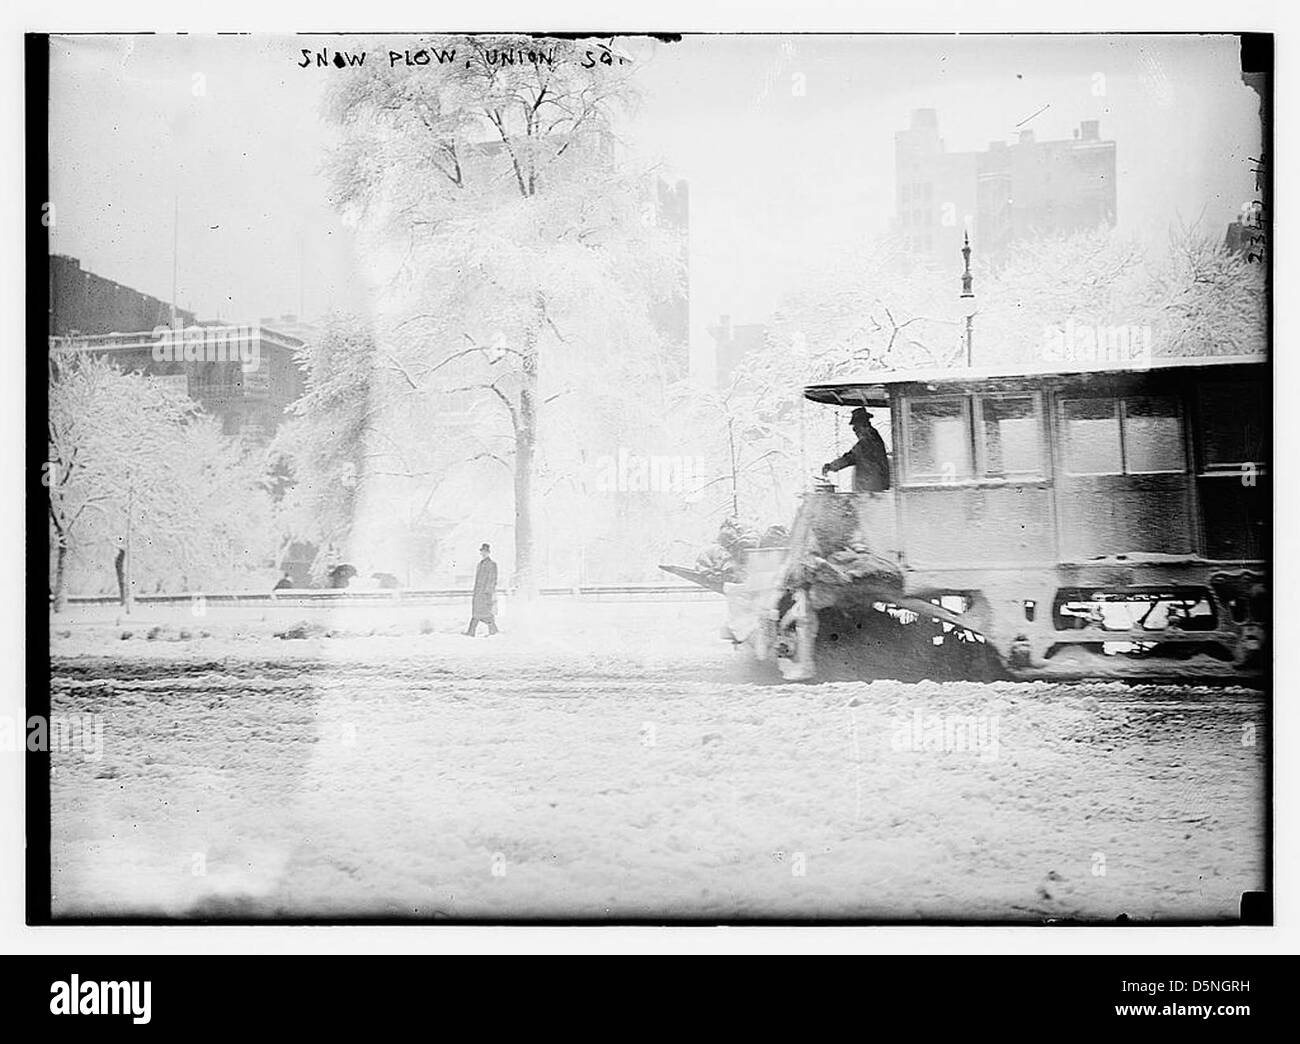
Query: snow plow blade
<point>705,580</point>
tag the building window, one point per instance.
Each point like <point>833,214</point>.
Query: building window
<point>1133,436</point>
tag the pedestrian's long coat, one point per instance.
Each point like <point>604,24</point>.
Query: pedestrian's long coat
<point>485,588</point>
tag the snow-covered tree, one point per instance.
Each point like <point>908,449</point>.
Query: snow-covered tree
<point>514,242</point>
<point>875,307</point>
<point>1193,295</point>
<point>318,454</point>
<point>134,467</point>
<point>1204,299</point>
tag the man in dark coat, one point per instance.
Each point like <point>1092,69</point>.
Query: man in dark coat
<point>868,458</point>
<point>485,593</point>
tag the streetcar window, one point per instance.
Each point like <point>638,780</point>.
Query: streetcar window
<point>1152,439</point>
<point>1092,443</point>
<point>1012,444</point>
<point>1234,420</point>
<point>1153,436</point>
<point>938,439</point>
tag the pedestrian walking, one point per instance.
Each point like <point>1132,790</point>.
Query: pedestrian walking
<point>484,608</point>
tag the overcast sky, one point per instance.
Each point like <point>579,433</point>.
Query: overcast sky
<point>787,143</point>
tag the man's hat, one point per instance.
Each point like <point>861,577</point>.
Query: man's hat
<point>859,415</point>
<point>485,547</point>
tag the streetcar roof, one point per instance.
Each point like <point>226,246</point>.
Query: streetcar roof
<point>870,388</point>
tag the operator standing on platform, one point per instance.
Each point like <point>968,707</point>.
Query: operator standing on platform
<point>868,457</point>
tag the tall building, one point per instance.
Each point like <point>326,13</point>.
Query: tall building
<point>244,374</point>
<point>81,302</point>
<point>935,189</point>
<point>732,343</point>
<point>1008,192</point>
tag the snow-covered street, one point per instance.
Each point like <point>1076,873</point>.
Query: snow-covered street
<point>603,759</point>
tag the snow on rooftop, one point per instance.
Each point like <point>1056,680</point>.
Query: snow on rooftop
<point>859,387</point>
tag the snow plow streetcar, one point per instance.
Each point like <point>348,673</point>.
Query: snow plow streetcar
<point>1064,522</point>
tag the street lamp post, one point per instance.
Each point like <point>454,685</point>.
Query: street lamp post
<point>968,300</point>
